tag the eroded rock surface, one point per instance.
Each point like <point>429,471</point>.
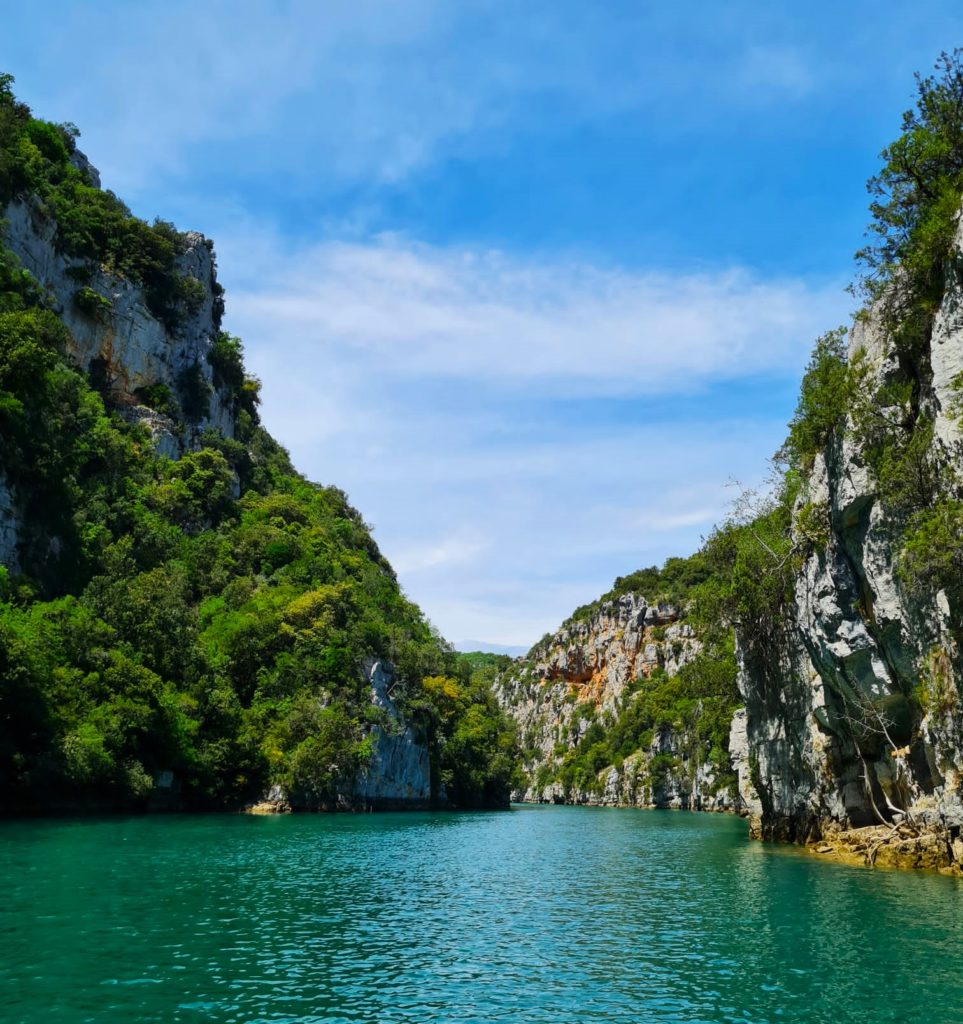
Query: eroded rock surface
<point>584,674</point>
<point>398,774</point>
<point>858,644</point>
<point>121,342</point>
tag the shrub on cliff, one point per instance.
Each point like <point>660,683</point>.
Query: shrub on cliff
<point>932,556</point>
<point>916,196</point>
<point>823,400</point>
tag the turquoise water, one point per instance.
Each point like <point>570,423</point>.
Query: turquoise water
<point>551,914</point>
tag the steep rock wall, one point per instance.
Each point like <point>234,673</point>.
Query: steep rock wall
<point>854,716</point>
<point>398,774</point>
<point>585,673</point>
<point>121,343</point>
<point>127,346</point>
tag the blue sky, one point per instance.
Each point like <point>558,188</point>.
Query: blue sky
<point>532,281</point>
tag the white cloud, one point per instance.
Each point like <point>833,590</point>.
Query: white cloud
<point>447,552</point>
<point>776,70</point>
<point>416,312</point>
<point>519,431</point>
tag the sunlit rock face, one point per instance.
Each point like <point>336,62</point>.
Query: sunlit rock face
<point>589,665</point>
<point>856,637</point>
<point>118,340</point>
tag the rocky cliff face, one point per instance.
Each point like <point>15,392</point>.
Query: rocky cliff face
<point>9,528</point>
<point>118,340</point>
<point>397,775</point>
<point>854,717</point>
<point>581,678</point>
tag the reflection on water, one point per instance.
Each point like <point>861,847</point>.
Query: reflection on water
<point>543,914</point>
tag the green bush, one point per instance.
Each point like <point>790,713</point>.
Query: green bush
<point>92,304</point>
<point>823,400</point>
<point>916,202</point>
<point>932,555</point>
<point>160,398</point>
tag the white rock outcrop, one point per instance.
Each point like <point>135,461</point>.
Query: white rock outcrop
<point>589,666</point>
<point>855,637</point>
<point>398,774</point>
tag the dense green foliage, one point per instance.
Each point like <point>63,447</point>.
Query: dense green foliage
<point>484,661</point>
<point>208,620</point>
<point>669,584</point>
<point>476,761</point>
<point>823,400</point>
<point>916,197</point>
<point>932,556</point>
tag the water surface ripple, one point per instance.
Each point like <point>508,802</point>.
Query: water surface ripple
<point>551,915</point>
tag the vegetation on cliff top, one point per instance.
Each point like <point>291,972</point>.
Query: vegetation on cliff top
<point>161,623</point>
<point>887,415</point>
<point>909,262</point>
<point>669,585</point>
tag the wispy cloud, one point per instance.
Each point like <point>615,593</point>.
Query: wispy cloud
<point>781,71</point>
<point>521,426</point>
<point>450,551</point>
<point>520,431</point>
<point>368,90</point>
<point>565,327</point>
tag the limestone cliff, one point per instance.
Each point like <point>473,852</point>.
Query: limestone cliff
<point>114,334</point>
<point>132,355</point>
<point>396,774</point>
<point>581,682</point>
<point>852,718</point>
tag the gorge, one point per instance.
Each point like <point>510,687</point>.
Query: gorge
<point>187,623</point>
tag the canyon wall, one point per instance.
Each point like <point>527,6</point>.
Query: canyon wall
<point>852,714</point>
<point>585,678</point>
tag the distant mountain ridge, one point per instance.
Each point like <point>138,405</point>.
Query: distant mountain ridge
<point>483,647</point>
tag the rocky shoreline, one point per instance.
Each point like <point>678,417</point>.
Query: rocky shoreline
<point>900,847</point>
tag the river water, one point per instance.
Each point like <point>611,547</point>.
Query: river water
<point>547,914</point>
